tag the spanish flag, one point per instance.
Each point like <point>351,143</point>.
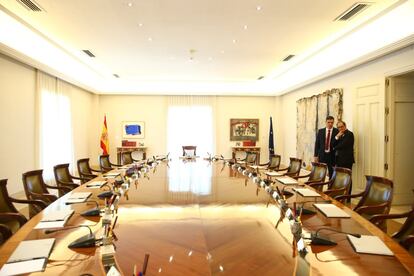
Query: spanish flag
<point>104,138</point>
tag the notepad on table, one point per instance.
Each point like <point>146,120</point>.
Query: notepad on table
<point>111,174</point>
<point>369,245</point>
<point>287,180</point>
<point>306,192</point>
<point>78,197</point>
<point>257,167</point>
<point>54,219</point>
<point>29,256</point>
<point>331,210</point>
<point>96,184</point>
<point>270,173</point>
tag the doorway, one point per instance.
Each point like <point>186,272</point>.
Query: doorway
<point>399,146</point>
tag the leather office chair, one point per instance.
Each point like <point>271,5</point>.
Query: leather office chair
<point>274,162</point>
<point>404,236</point>
<point>376,199</point>
<point>36,189</point>
<point>317,173</point>
<point>189,151</point>
<point>338,185</point>
<point>106,164</point>
<point>10,217</point>
<point>85,171</point>
<point>65,179</point>
<point>127,158</point>
<point>5,233</point>
<point>294,167</point>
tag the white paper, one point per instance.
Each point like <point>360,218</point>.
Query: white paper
<point>271,173</point>
<point>111,174</point>
<point>50,224</point>
<point>258,167</point>
<point>78,197</point>
<point>61,215</point>
<point>287,180</point>
<point>32,249</point>
<point>306,192</point>
<point>331,210</point>
<point>96,184</point>
<point>23,267</point>
<point>369,245</point>
<point>113,272</point>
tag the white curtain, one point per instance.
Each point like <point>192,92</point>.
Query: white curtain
<point>54,123</point>
<point>190,123</point>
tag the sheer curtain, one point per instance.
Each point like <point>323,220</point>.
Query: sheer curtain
<point>190,122</point>
<point>54,123</point>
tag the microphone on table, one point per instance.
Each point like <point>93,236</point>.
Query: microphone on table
<point>91,212</point>
<point>318,239</point>
<point>107,194</point>
<point>306,211</point>
<point>82,242</point>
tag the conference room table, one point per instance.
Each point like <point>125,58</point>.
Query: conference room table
<point>204,218</point>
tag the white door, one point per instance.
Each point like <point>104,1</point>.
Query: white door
<point>368,128</point>
<point>400,148</point>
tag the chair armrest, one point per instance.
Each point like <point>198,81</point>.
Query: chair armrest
<point>407,242</point>
<point>315,184</point>
<point>80,178</point>
<point>88,177</point>
<point>341,198</point>
<point>364,209</point>
<point>284,169</point>
<point>293,174</point>
<point>5,232</point>
<point>301,176</point>
<point>327,192</point>
<point>378,219</point>
<point>116,165</point>
<point>312,181</point>
<point>265,164</point>
<point>93,170</point>
<point>39,203</point>
<point>42,197</point>
<point>71,184</point>
<point>5,217</point>
<point>65,189</point>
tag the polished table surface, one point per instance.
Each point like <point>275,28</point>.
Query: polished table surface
<point>201,218</point>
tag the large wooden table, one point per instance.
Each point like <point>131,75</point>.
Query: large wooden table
<point>197,218</point>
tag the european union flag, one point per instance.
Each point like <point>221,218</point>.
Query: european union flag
<point>271,142</point>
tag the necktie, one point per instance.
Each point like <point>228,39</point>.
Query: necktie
<point>328,140</point>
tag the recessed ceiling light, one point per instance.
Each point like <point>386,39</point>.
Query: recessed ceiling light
<point>129,4</point>
<point>222,51</point>
<point>258,8</point>
<point>245,27</point>
<point>149,38</point>
<point>234,41</point>
<point>140,25</point>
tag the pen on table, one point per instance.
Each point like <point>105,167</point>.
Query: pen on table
<point>144,267</point>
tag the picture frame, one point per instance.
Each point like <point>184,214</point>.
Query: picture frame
<point>133,130</point>
<point>244,129</point>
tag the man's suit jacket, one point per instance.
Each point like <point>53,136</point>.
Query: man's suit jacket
<point>344,148</point>
<point>320,142</point>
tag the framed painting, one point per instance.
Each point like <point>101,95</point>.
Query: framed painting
<point>244,129</point>
<point>133,130</point>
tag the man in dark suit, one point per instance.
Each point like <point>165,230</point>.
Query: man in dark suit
<point>344,146</point>
<point>325,139</point>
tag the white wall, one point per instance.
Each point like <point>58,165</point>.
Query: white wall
<point>371,73</point>
<point>18,126</point>
<point>17,121</point>
<point>153,111</point>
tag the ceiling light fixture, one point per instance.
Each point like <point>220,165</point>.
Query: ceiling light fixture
<point>352,11</point>
<point>116,76</point>
<point>129,4</point>
<point>149,38</point>
<point>258,8</point>
<point>140,25</point>
<point>245,27</point>
<point>234,41</point>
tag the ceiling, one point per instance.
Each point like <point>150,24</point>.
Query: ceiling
<point>185,46</point>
